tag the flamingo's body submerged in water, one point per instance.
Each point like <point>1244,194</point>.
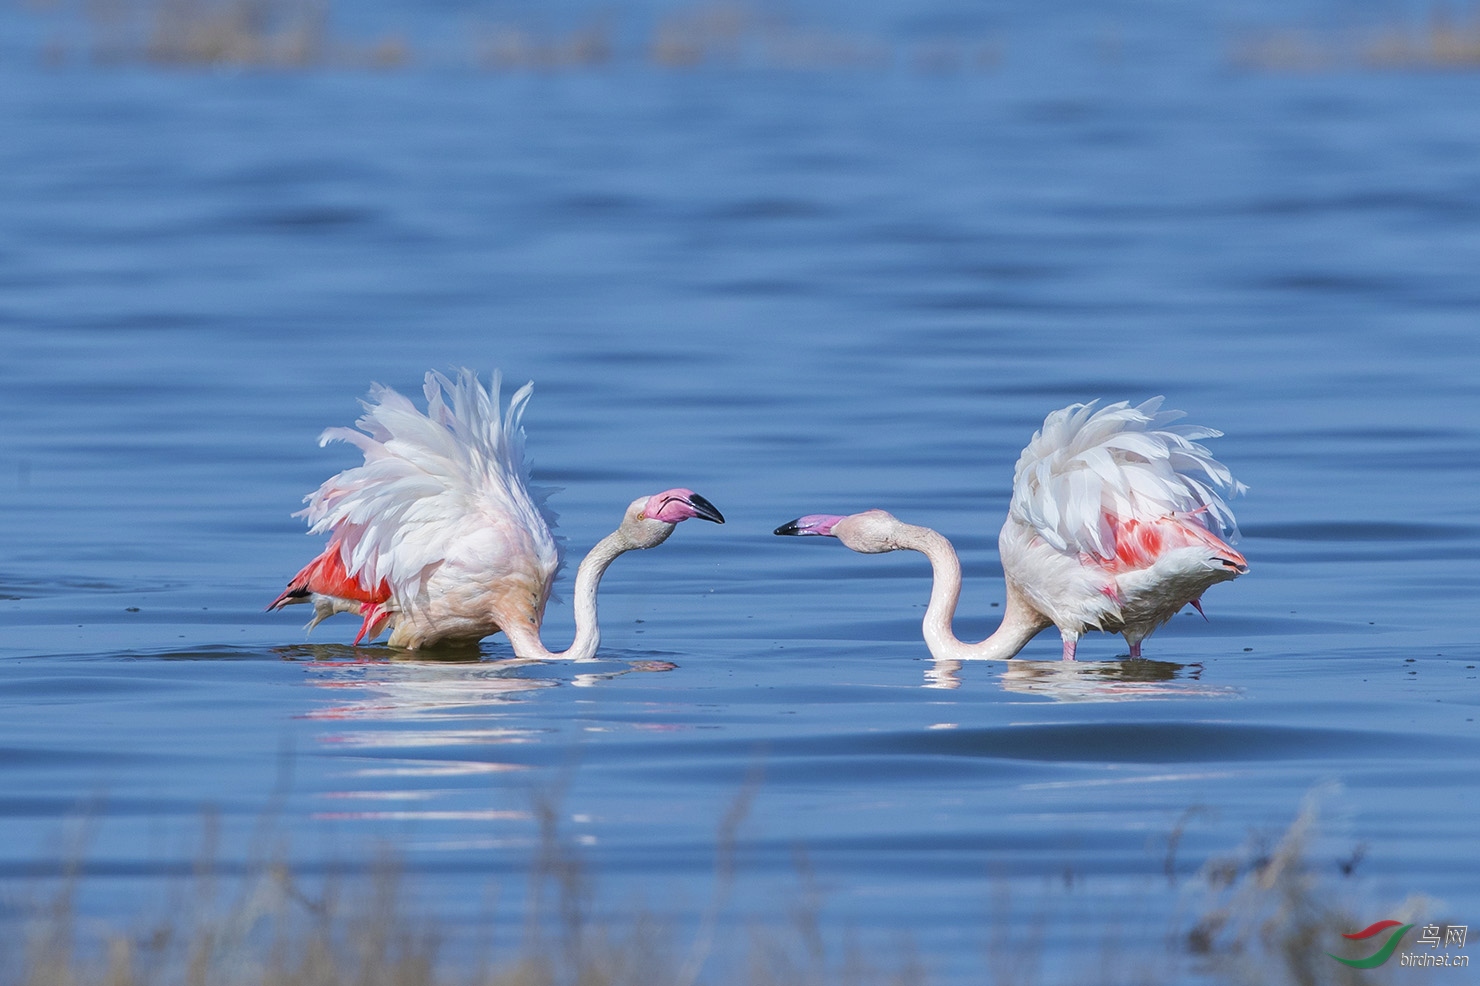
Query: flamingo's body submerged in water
<point>440,536</point>
<point>1116,523</point>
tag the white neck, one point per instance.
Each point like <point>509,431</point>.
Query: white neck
<point>1020,622</point>
<point>526,639</point>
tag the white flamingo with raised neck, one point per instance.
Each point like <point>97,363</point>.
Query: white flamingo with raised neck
<point>1116,523</point>
<point>440,536</point>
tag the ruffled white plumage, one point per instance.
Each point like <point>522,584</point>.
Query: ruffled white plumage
<point>1114,524</point>
<point>1086,468</point>
<point>431,480</point>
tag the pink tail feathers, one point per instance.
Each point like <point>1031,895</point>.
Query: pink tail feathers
<point>376,615</point>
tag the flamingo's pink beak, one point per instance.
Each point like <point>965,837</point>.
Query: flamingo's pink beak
<point>672,506</point>
<point>819,524</point>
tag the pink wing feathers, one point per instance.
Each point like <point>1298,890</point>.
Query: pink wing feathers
<point>429,482</point>
<point>1121,484</point>
<point>1139,543</point>
<point>325,577</point>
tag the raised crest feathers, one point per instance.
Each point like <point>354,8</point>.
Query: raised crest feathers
<point>425,472</point>
<point>1088,466</point>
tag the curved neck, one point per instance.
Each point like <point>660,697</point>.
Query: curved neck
<point>526,639</point>
<point>1020,622</point>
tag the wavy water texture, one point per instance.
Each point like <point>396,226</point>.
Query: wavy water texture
<point>795,285</point>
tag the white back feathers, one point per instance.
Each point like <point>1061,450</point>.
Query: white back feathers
<point>1087,466</point>
<point>428,477</point>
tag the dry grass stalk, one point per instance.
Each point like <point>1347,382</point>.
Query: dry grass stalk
<point>1270,913</point>
<point>1444,42</point>
<point>269,928</point>
<point>506,48</point>
<point>1264,915</point>
<point>297,35</point>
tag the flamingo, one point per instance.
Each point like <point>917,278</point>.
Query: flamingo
<point>440,536</point>
<point>1116,523</point>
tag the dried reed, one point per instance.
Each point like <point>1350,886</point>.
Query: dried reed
<point>1265,914</point>
<point>299,35</point>
<point>1442,42</point>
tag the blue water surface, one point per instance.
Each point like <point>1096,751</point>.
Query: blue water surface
<point>795,290</point>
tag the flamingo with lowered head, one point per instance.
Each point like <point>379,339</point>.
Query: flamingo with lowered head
<point>1116,523</point>
<point>440,536</point>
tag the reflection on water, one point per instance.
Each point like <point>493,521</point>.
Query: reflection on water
<point>427,815</point>
<point>458,652</point>
<point>1091,681</point>
<point>397,738</point>
<point>401,688</point>
<point>431,768</point>
<point>419,691</point>
<point>455,712</point>
<point>1111,681</point>
<point>461,709</point>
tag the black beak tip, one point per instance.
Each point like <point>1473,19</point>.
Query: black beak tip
<point>705,509</point>
<point>790,527</point>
